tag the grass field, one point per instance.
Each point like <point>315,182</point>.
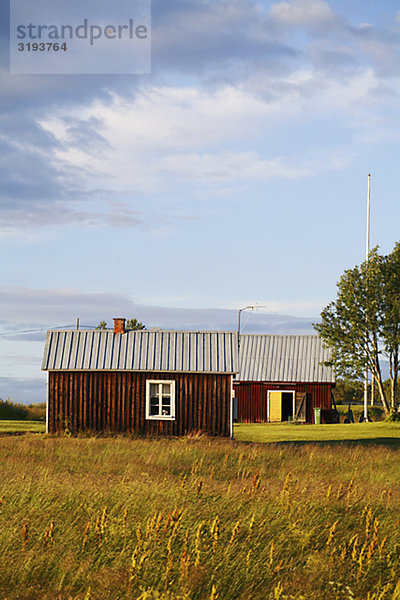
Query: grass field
<point>375,433</point>
<point>22,426</point>
<point>199,519</point>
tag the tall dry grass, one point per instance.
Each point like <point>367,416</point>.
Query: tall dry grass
<point>91,519</point>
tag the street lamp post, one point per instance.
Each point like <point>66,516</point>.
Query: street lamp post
<point>250,307</point>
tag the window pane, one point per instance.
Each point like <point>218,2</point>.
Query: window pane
<point>166,406</point>
<point>166,389</point>
<point>153,389</point>
<point>154,407</point>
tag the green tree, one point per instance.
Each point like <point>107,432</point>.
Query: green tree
<point>363,324</point>
<point>391,317</point>
<point>348,391</point>
<point>102,325</point>
<point>134,325</point>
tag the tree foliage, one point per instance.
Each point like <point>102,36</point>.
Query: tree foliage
<point>10,410</point>
<point>348,391</point>
<point>362,325</point>
<point>134,325</point>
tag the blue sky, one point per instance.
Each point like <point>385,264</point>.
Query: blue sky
<point>234,174</point>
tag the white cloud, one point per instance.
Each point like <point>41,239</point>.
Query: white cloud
<point>168,135</point>
<point>166,117</point>
<point>303,13</point>
<point>230,166</point>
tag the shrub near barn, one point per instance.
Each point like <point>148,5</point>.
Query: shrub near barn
<point>11,411</point>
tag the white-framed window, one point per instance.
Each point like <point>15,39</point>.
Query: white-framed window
<point>160,399</point>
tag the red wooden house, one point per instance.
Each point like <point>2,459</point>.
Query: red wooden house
<point>282,378</point>
<point>155,382</point>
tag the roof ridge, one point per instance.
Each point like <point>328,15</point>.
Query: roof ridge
<point>313,335</point>
<point>110,330</point>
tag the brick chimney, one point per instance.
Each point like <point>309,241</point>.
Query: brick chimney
<point>119,325</point>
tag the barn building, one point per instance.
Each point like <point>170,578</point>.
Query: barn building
<point>155,382</point>
<point>282,378</point>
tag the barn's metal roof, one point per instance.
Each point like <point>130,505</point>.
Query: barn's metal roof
<point>284,358</point>
<point>178,351</point>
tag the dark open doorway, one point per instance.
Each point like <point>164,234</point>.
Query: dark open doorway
<point>287,406</point>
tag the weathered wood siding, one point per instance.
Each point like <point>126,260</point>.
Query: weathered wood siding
<point>116,402</point>
<point>252,398</point>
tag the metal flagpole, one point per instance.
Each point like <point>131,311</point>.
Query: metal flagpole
<point>367,258</point>
<point>368,207</point>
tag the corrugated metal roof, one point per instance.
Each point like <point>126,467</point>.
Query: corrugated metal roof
<point>182,351</point>
<point>284,358</point>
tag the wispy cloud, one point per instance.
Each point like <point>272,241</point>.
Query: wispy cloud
<point>28,308</point>
<point>159,139</point>
<point>309,14</point>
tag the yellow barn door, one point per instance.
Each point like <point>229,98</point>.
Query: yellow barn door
<point>274,407</point>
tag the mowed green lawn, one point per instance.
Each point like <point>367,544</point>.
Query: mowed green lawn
<point>352,432</point>
<point>22,427</point>
<point>266,433</point>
